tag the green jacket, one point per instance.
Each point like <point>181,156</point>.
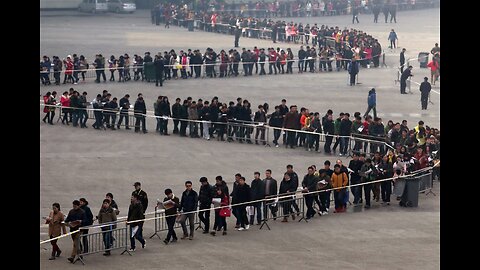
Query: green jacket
<point>336,126</point>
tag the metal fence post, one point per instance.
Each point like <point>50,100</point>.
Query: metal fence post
<point>156,225</point>
<point>127,233</point>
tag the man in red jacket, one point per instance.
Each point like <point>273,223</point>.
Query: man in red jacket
<point>272,59</point>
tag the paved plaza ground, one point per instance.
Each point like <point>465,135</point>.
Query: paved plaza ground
<point>89,163</point>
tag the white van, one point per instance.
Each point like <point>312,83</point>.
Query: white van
<point>93,6</point>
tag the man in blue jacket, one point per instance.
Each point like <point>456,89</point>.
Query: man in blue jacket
<point>372,103</point>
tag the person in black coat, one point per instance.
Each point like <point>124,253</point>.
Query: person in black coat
<point>124,106</point>
<point>142,195</point>
<point>309,184</point>
<point>287,186</point>
<point>402,60</point>
<point>403,79</point>
<point>135,212</point>
<point>329,130</point>
<point>207,192</point>
<point>238,33</point>
<point>164,108</point>
<point>425,89</point>
<point>276,120</point>
<point>345,131</point>
<point>354,166</point>
<point>176,110</point>
<point>75,218</point>
<point>188,203</point>
<point>139,109</point>
<point>257,192</point>
<point>87,221</point>
<point>183,115</point>
<point>242,195</point>
<point>159,65</point>
<point>353,71</point>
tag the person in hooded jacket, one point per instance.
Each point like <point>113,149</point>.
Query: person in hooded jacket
<point>107,215</point>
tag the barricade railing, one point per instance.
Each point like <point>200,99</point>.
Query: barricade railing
<point>280,197</point>
<point>161,222</point>
<point>283,205</point>
<point>110,237</point>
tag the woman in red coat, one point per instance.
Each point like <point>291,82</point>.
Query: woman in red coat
<point>68,70</point>
<point>219,220</point>
<point>433,65</point>
<point>65,101</point>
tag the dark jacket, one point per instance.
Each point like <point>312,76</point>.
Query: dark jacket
<point>135,212</point>
<point>355,166</point>
<point>88,220</point>
<point>287,186</point>
<point>276,119</point>
<point>74,215</point>
<point>260,117</point>
<point>402,58</point>
<point>425,88</point>
<point>139,107</point>
<point>310,182</point>
<point>328,127</point>
<point>242,193</point>
<point>257,189</point>
<point>174,209</point>
<point>292,120</point>
<point>205,195</point>
<point>273,190</point>
<point>345,127</point>
<point>189,202</point>
<point>406,73</point>
<point>294,178</point>
<point>143,198</point>
<point>176,110</point>
<point>368,177</point>
<point>159,66</point>
<point>164,108</point>
<point>353,68</point>
<point>124,105</point>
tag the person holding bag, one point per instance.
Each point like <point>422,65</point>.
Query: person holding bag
<point>221,214</point>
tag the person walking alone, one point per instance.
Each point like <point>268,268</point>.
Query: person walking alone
<point>372,103</point>
<point>55,228</point>
<point>425,89</point>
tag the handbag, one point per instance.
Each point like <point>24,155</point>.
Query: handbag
<point>225,212</point>
<point>181,218</point>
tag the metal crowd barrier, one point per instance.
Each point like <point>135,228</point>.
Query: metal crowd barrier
<point>280,204</point>
<point>161,223</point>
<point>96,242</point>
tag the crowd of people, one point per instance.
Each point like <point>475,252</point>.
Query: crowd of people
<point>316,185</point>
<point>195,64</point>
<point>299,8</point>
<point>238,121</point>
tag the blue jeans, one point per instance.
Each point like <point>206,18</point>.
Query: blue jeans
<point>83,115</point>
<point>75,117</point>
<point>107,236</point>
<point>138,235</point>
<point>344,145</point>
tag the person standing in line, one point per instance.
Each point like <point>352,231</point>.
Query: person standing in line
<point>82,109</point>
<point>220,221</point>
<point>353,69</point>
<point>205,196</point>
<point>425,89</point>
<point>140,110</point>
<point>170,213</point>
<point>257,192</point>
<point>392,37</point>
<point>55,228</point>
<point>159,64</point>
<point>287,186</point>
<point>368,173</point>
<point>142,195</point>
<point>242,195</point>
<point>292,121</point>
<point>294,177</point>
<point>188,203</point>
<point>276,121</point>
<point>270,185</point>
<point>124,107</point>
<point>372,103</point>
<point>86,222</point>
<point>339,180</point>
<point>354,167</point>
<point>403,79</point>
<point>309,184</point>
<point>329,129</point>
<point>74,220</point>
<point>402,60</point>
<point>385,169</point>
<point>176,111</point>
<point>260,118</point>
<point>135,212</point>
<point>107,215</point>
